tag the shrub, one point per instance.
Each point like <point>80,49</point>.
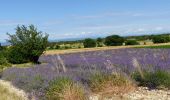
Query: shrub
<point>160,39</point>
<point>131,42</point>
<point>65,89</point>
<point>99,42</point>
<point>57,47</point>
<point>157,79</point>
<point>89,43</point>
<point>28,43</point>
<point>114,40</point>
<point>1,48</point>
<point>3,60</point>
<point>16,56</point>
<point>109,83</point>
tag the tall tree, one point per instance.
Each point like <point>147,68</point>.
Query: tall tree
<point>29,42</point>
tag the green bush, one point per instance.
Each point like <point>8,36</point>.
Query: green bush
<point>3,62</point>
<point>16,56</point>
<point>114,40</point>
<point>160,39</point>
<point>1,48</point>
<point>28,43</point>
<point>2,59</point>
<point>131,42</point>
<point>65,89</point>
<point>158,79</point>
<point>89,43</point>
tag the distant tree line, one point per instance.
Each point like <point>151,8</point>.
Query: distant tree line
<point>28,44</point>
<point>113,40</point>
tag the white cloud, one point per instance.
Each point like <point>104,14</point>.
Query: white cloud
<point>11,22</point>
<point>52,23</point>
<point>159,28</point>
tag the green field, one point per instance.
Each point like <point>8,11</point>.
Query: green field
<point>156,47</point>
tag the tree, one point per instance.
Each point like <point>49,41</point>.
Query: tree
<point>89,43</point>
<point>99,42</point>
<point>160,39</point>
<point>114,40</point>
<point>1,48</point>
<point>131,42</point>
<point>29,42</point>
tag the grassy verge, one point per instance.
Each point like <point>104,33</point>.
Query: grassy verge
<point>155,47</point>
<point>106,84</point>
<point>158,79</point>
<point>7,95</point>
<point>65,89</point>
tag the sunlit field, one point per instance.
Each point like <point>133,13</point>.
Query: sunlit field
<point>159,45</point>
<point>80,67</point>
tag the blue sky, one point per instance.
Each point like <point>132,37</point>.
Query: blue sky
<point>86,18</point>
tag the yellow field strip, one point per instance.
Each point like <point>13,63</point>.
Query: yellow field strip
<point>51,52</point>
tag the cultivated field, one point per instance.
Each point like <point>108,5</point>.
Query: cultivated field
<point>51,52</point>
<point>92,71</point>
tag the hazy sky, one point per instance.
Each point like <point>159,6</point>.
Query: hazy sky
<point>86,18</point>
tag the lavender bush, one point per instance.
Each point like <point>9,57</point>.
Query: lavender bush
<point>79,66</point>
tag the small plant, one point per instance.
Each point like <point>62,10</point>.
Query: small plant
<point>65,89</point>
<point>157,79</point>
<point>109,83</point>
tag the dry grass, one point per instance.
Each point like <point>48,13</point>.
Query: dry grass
<point>51,52</point>
<point>110,84</point>
<point>7,92</point>
<point>74,92</point>
<point>7,95</point>
<point>65,89</point>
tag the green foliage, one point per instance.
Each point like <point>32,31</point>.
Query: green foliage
<point>15,55</point>
<point>28,42</point>
<point>114,40</point>
<point>99,42</point>
<point>131,42</point>
<point>158,79</point>
<point>3,62</point>
<point>89,43</point>
<point>1,48</point>
<point>160,39</point>
<point>64,89</point>
<point>156,47</point>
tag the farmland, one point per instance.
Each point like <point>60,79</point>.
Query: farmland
<point>81,65</point>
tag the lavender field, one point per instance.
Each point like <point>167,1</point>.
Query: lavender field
<point>79,66</point>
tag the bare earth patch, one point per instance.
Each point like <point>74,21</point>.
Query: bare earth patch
<point>9,92</point>
<point>142,93</point>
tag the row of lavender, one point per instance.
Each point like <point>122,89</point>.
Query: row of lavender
<point>123,58</point>
<point>79,66</point>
